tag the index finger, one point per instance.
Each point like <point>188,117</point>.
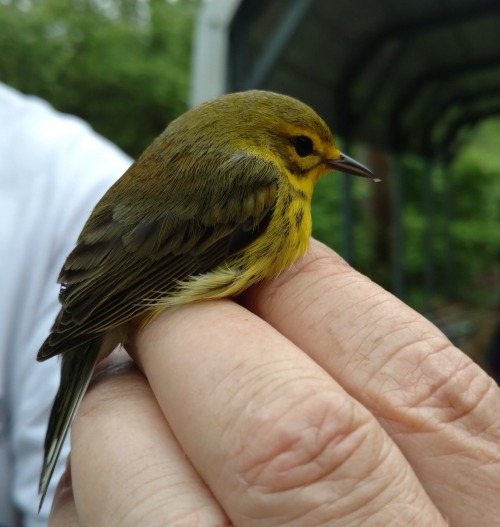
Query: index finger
<point>439,406</point>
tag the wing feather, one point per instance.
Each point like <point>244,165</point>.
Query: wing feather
<point>118,264</point>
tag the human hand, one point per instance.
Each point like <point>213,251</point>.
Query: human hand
<point>320,400</point>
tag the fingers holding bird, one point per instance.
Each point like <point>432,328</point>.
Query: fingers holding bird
<point>275,439</point>
<point>244,421</point>
<point>263,435</point>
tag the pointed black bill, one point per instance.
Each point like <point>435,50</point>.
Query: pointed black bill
<point>348,165</point>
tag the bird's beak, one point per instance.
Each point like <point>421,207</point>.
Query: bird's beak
<point>348,165</point>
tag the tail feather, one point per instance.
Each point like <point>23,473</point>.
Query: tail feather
<point>76,371</point>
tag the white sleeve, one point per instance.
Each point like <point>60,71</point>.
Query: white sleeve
<point>53,169</point>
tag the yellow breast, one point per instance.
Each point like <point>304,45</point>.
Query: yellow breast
<point>285,239</point>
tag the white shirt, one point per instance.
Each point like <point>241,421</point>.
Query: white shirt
<point>53,169</point>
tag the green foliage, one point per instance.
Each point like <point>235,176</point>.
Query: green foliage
<point>476,215</point>
<point>450,225</point>
<point>122,65</point>
<point>326,211</point>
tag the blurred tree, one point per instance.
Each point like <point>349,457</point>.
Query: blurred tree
<point>122,65</point>
<point>471,252</point>
<point>476,215</point>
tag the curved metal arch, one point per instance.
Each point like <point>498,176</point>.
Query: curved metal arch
<point>469,118</point>
<point>408,95</point>
<point>373,45</point>
<point>241,76</point>
<point>431,117</point>
<point>466,100</point>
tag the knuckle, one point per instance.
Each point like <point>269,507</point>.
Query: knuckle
<point>461,391</point>
<point>437,384</point>
<point>302,443</point>
<point>316,459</point>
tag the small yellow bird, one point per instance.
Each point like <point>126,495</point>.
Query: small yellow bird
<point>218,202</point>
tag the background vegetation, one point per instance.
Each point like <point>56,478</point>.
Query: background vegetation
<point>124,66</point>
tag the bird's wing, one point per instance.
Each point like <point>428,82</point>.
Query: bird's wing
<point>119,263</point>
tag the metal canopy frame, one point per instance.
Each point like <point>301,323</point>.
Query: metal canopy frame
<point>266,37</point>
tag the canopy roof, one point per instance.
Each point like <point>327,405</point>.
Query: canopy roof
<point>402,75</point>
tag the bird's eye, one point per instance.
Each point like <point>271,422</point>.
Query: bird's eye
<point>303,145</point>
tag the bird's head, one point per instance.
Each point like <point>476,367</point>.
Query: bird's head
<point>271,125</point>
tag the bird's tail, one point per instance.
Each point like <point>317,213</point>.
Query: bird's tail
<point>76,371</point>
